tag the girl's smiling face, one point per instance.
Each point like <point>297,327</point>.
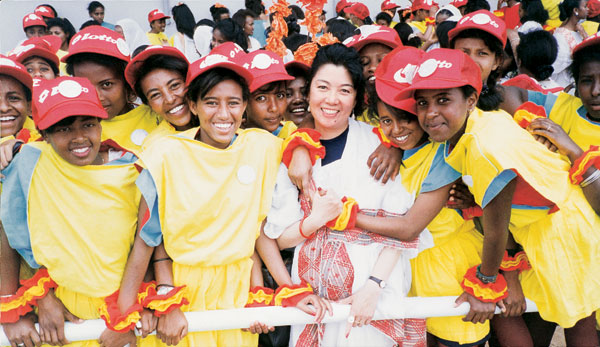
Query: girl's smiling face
<point>443,113</point>
<point>165,91</point>
<point>400,127</point>
<point>76,139</point>
<point>14,107</point>
<point>267,106</point>
<point>39,68</point>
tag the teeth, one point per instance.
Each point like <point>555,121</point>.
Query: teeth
<point>401,138</point>
<point>330,111</point>
<point>372,78</point>
<point>298,110</point>
<point>7,118</point>
<point>176,109</point>
<point>223,125</point>
<point>80,150</point>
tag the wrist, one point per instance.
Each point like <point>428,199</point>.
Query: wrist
<point>311,224</point>
<point>574,153</point>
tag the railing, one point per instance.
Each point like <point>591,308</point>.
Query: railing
<point>415,307</point>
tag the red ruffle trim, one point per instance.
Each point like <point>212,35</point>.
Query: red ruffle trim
<point>308,138</point>
<point>486,292</point>
<point>290,296</point>
<point>15,306</point>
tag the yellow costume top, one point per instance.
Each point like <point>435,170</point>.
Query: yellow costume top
<point>205,202</point>
<point>77,221</point>
<point>62,68</point>
<point>129,130</point>
<point>159,39</point>
<point>285,129</point>
<point>164,128</point>
<point>568,111</point>
<point>422,26</point>
<point>493,151</point>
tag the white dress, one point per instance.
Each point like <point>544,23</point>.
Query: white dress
<point>567,40</point>
<point>349,176</point>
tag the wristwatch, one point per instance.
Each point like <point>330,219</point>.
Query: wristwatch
<point>380,283</point>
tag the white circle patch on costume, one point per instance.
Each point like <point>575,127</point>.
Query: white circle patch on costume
<point>138,136</point>
<point>428,67</point>
<point>69,89</point>
<point>246,174</point>
<point>122,47</point>
<point>468,180</point>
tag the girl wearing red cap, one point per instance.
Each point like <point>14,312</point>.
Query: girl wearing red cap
<point>157,75</point>
<point>81,260</point>
<point>233,173</point>
<point>101,55</point>
<point>501,164</point>
<point>339,261</point>
<point>38,55</point>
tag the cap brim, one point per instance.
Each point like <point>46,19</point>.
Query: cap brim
<point>39,52</point>
<point>69,109</point>
<point>268,78</point>
<point>21,76</point>
<point>454,32</point>
<point>138,60</point>
<point>387,92</point>
<point>587,43</point>
<point>245,74</point>
<point>362,43</point>
<point>428,84</point>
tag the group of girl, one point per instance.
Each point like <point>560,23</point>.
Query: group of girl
<point>138,214</point>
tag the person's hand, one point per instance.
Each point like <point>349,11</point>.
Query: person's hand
<point>259,328</point>
<point>110,338</point>
<point>22,332</point>
<point>148,323</point>
<point>6,152</point>
<point>460,197</point>
<point>579,28</point>
<point>385,163</point>
<point>554,138</point>
<point>315,306</point>
<point>363,302</point>
<point>479,311</point>
<point>515,302</point>
<point>327,205</point>
<point>300,170</point>
<point>172,327</point>
<point>51,316</point>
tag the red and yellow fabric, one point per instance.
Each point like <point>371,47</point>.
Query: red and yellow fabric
<point>29,125</point>
<point>486,292</point>
<point>430,21</point>
<point>165,303</point>
<point>583,163</point>
<point>347,218</point>
<point>518,262</point>
<point>527,112</point>
<point>569,113</point>
<point>384,140</point>
<point>308,138</point>
<point>493,145</point>
<point>114,319</point>
<point>260,297</point>
<point>130,130</point>
<point>15,306</point>
<point>288,128</point>
<point>290,295</point>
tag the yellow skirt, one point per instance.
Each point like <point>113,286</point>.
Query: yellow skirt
<point>564,252</point>
<point>216,288</point>
<point>438,271</point>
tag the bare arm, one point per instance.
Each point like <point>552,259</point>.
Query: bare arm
<point>269,252</point>
<point>409,226</point>
<point>9,267</point>
<point>513,98</point>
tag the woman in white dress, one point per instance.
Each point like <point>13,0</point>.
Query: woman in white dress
<point>568,35</point>
<point>340,262</point>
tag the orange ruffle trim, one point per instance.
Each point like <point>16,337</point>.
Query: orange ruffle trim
<point>308,138</point>
<point>583,163</point>
<point>527,112</point>
<point>289,296</point>
<point>346,219</point>
<point>15,306</point>
<point>486,292</point>
<point>519,262</point>
<point>260,297</point>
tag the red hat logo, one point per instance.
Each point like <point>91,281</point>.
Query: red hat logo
<point>480,19</point>
<point>213,59</point>
<point>21,49</point>
<point>262,61</point>
<point>32,16</point>
<point>8,62</point>
<point>429,66</point>
<point>69,89</point>
<point>405,74</point>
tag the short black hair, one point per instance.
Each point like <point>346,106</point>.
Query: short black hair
<point>206,22</point>
<point>476,5</point>
<point>159,61</point>
<point>64,24</point>
<point>537,52</point>
<point>204,83</point>
<point>340,28</point>
<point>383,16</point>
<point>340,55</point>
<point>50,63</point>
<point>184,20</point>
<point>583,56</point>
<point>88,23</point>
<point>216,12</point>
<point>297,11</point>
<point>441,31</point>
<point>65,122</point>
<point>232,32</point>
<point>534,11</point>
<point>255,6</point>
<point>94,5</point>
<point>407,35</point>
<point>292,42</point>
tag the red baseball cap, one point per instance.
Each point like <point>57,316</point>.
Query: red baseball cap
<point>374,34</point>
<point>590,41</point>
<point>15,70</point>
<point>32,19</point>
<point>100,40</point>
<point>444,68</point>
<point>44,11</point>
<point>227,55</point>
<point>389,5</point>
<point>395,73</point>
<point>358,9</point>
<point>593,7</point>
<point>138,61</point>
<point>45,47</point>
<point>482,20</point>
<point>265,67</point>
<point>156,14</point>
<point>459,3</point>
<point>420,5</point>
<point>62,97</point>
<point>342,4</point>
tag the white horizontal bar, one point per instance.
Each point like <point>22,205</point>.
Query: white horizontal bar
<point>413,307</point>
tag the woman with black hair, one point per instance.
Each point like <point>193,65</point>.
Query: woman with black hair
<point>407,35</point>
<point>568,35</point>
<point>261,20</point>
<point>96,12</point>
<point>185,23</point>
<point>533,10</point>
<point>245,19</point>
<point>384,19</point>
<point>219,12</point>
<point>340,28</point>
<point>227,30</point>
